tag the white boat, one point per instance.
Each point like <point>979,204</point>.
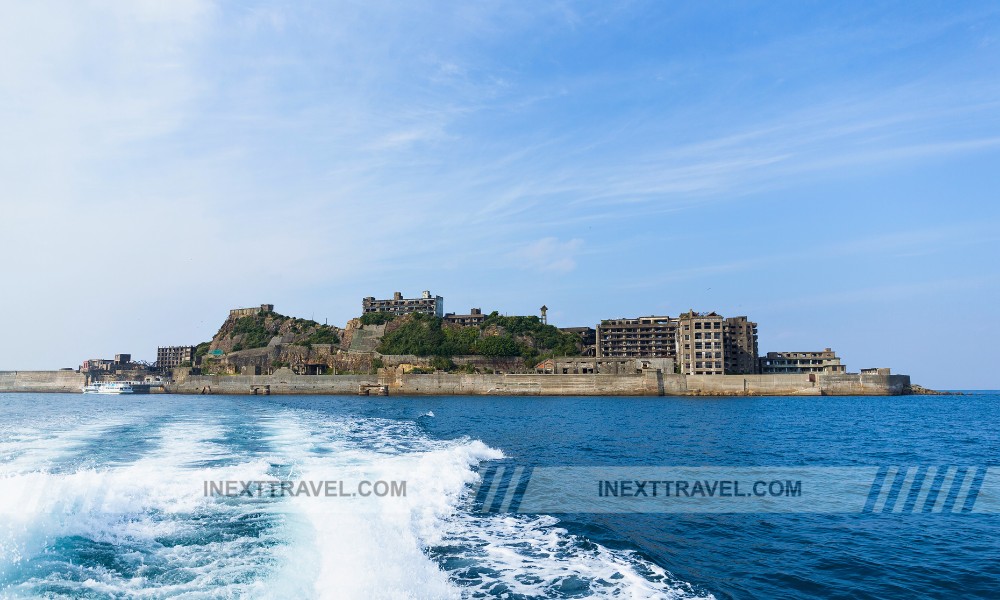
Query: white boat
<point>109,387</point>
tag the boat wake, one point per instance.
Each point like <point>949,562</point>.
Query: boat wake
<point>145,527</point>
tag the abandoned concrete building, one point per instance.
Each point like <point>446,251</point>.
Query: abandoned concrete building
<point>825,361</point>
<point>237,313</point>
<point>643,337</point>
<point>168,357</point>
<point>475,317</point>
<point>397,305</point>
<point>699,343</point>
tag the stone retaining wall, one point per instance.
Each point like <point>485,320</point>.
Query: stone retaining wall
<point>42,381</point>
<point>650,383</point>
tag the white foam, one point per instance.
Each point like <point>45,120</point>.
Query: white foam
<point>385,548</point>
<point>533,556</point>
<point>134,507</point>
<point>155,516</point>
<point>371,547</point>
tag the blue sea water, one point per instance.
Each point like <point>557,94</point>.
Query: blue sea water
<point>103,497</point>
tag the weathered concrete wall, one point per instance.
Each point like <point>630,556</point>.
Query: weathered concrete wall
<point>819,384</point>
<point>42,381</point>
<point>281,382</point>
<point>843,384</point>
<point>647,384</point>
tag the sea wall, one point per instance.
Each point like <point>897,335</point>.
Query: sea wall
<point>818,384</point>
<point>41,381</point>
<point>650,383</point>
<point>281,382</point>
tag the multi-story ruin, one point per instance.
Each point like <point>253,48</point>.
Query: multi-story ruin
<point>168,357</point>
<point>825,361</point>
<point>397,305</point>
<point>698,343</point>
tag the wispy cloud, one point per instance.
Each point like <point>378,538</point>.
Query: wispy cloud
<point>548,255</point>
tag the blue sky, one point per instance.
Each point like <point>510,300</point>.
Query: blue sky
<point>828,169</point>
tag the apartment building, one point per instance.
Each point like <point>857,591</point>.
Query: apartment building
<point>825,361</point>
<point>700,343</point>
<point>475,317</point>
<point>168,357</point>
<point>397,305</point>
<point>739,346</point>
<point>643,337</point>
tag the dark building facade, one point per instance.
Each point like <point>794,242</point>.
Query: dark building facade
<point>643,337</point>
<point>739,342</point>
<point>700,347</point>
<point>475,317</point>
<point>397,305</point>
<point>168,357</point>
<point>825,361</point>
<point>699,343</point>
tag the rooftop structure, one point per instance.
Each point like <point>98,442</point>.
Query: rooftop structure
<point>825,361</point>
<point>237,313</point>
<point>475,317</point>
<point>121,362</point>
<point>397,305</point>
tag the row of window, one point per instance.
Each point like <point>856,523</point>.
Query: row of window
<point>704,365</point>
<point>708,336</point>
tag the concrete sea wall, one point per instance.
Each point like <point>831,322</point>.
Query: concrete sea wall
<point>41,381</point>
<point>649,383</point>
<point>799,385</point>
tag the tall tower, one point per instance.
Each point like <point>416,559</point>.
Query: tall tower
<point>545,317</point>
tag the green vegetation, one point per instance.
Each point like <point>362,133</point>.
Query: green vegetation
<point>547,338</point>
<point>421,335</point>
<point>497,337</point>
<point>323,335</point>
<point>376,318</point>
<point>442,363</point>
<point>255,332</point>
<point>496,346</point>
<point>201,349</point>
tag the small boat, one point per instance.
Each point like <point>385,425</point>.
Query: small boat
<point>109,387</point>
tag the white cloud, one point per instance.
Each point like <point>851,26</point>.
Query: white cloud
<point>548,255</point>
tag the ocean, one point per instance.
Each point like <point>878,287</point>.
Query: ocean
<point>117,497</point>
